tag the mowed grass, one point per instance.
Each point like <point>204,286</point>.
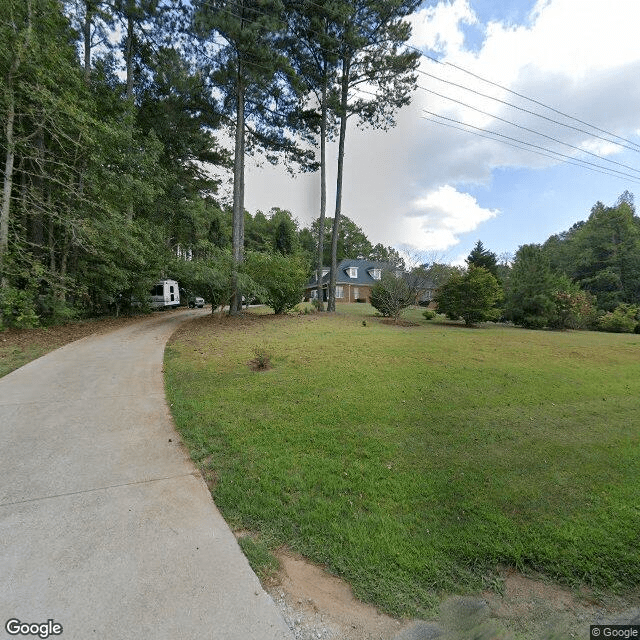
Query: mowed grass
<point>414,461</point>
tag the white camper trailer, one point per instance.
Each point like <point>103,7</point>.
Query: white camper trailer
<point>165,294</point>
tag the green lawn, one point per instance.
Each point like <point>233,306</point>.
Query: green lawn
<point>414,460</point>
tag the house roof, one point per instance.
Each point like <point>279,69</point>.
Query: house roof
<point>363,277</point>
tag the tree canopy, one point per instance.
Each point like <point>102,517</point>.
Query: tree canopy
<point>472,296</point>
<point>116,117</point>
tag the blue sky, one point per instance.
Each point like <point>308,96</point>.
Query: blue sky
<point>435,191</point>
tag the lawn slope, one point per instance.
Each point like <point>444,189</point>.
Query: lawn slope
<point>415,460</point>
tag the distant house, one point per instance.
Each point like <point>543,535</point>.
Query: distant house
<point>353,280</point>
<point>424,287</point>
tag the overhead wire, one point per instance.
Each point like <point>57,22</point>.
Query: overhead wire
<point>522,148</point>
<point>520,95</point>
<point>624,142</point>
<point>539,133</point>
<point>636,147</point>
<point>525,146</point>
<point>532,145</point>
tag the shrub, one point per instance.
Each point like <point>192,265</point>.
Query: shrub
<point>429,314</point>
<point>391,295</point>
<point>472,296</point>
<point>261,360</point>
<point>282,277</point>
<point>623,319</point>
<point>55,311</point>
<point>17,309</point>
<point>575,309</point>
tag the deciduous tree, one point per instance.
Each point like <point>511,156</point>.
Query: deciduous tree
<point>392,294</point>
<point>473,296</point>
<point>282,278</point>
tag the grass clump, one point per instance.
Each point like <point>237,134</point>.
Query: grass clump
<point>261,359</point>
<point>262,561</point>
<point>414,460</point>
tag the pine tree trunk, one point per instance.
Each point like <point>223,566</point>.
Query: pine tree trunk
<point>129,92</point>
<point>129,55</point>
<point>61,291</point>
<point>235,305</point>
<point>346,65</point>
<point>38,207</point>
<point>323,191</point>
<point>52,245</point>
<point>8,178</point>
<point>86,29</point>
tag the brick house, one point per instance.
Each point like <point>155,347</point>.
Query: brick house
<point>353,280</point>
<point>356,277</point>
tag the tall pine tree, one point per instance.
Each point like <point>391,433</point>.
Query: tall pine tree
<point>371,35</point>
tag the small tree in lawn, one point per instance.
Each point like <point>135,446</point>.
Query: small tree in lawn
<point>281,277</point>
<point>472,296</point>
<point>391,295</point>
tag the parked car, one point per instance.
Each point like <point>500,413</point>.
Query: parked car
<point>196,301</point>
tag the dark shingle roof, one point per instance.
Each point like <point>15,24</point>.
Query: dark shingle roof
<point>342,277</point>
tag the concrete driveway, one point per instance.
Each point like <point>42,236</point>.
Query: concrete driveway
<point>106,527</point>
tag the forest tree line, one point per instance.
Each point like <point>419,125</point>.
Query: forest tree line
<point>113,113</point>
<point>587,277</point>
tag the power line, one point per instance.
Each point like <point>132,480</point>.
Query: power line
<point>530,144</point>
<point>544,135</point>
<point>636,147</point>
<point>565,158</point>
<point>520,95</point>
<point>524,148</point>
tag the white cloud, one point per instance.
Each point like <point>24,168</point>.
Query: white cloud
<point>440,216</point>
<point>407,185</point>
<point>580,56</point>
<point>438,27</point>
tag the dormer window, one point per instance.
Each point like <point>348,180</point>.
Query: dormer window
<point>376,274</point>
<point>352,272</point>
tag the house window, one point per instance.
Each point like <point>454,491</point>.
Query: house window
<point>376,273</point>
<point>356,293</point>
<point>339,292</point>
<point>352,272</point>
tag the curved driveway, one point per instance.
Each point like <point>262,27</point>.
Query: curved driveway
<point>106,527</point>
